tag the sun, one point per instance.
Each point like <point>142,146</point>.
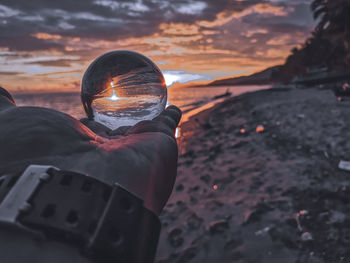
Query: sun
<point>114,96</point>
<point>170,79</point>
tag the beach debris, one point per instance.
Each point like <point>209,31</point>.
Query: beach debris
<point>303,212</point>
<point>263,231</point>
<point>336,217</point>
<point>242,131</point>
<point>278,123</point>
<point>260,129</point>
<point>298,216</point>
<point>344,165</point>
<point>215,187</point>
<point>326,154</point>
<point>301,116</point>
<point>175,237</point>
<point>217,227</point>
<point>306,236</point>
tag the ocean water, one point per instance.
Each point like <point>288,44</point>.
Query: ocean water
<point>187,99</point>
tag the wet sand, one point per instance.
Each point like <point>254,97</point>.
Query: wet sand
<point>272,196</point>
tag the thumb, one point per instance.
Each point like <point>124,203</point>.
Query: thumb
<point>6,100</point>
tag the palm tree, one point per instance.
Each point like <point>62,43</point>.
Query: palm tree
<point>329,44</point>
<point>333,14</point>
<point>334,24</point>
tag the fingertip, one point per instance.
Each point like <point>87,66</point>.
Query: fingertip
<point>167,120</point>
<point>5,93</point>
<point>173,112</point>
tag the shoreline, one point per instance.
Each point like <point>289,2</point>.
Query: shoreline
<point>261,197</point>
<point>235,92</point>
<point>190,117</point>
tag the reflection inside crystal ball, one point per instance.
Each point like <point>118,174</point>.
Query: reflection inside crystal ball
<point>121,88</point>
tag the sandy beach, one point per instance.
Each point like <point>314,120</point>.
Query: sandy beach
<point>271,196</point>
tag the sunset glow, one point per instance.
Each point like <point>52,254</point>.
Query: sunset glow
<point>49,47</point>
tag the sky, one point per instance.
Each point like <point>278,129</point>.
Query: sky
<point>47,45</point>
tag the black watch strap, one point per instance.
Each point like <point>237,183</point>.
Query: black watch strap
<point>107,223</point>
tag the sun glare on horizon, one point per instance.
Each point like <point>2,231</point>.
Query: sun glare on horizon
<point>170,79</point>
<point>179,76</point>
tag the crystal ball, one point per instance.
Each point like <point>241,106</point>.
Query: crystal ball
<point>121,88</point>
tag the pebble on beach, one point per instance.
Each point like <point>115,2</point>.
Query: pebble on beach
<point>260,128</point>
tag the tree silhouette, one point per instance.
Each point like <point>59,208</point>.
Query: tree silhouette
<point>329,45</point>
<point>334,25</point>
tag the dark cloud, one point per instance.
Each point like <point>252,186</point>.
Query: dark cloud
<point>298,15</point>
<point>287,28</point>
<point>11,55</point>
<point>54,63</point>
<point>10,73</point>
<point>28,43</point>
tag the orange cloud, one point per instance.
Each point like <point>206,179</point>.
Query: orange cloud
<point>46,36</point>
<point>280,40</point>
<point>251,32</point>
<point>276,53</point>
<point>262,8</point>
<point>179,29</point>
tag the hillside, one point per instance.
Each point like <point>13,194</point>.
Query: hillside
<point>259,78</point>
